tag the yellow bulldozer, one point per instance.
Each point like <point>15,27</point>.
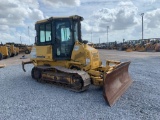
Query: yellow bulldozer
<point>63,58</point>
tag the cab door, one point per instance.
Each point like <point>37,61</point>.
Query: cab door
<point>64,42</point>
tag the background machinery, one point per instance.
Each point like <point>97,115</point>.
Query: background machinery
<point>14,50</point>
<point>152,45</point>
<point>4,52</point>
<point>140,46</point>
<point>63,58</point>
<point>24,48</point>
<point>28,49</point>
<point>157,47</point>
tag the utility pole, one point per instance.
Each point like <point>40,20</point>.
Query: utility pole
<point>107,33</point>
<point>28,34</point>
<point>91,36</point>
<point>99,41</point>
<point>20,40</point>
<point>123,40</point>
<point>142,14</point>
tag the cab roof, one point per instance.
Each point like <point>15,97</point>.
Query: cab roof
<point>53,18</point>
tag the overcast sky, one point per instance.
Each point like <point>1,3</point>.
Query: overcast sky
<point>122,16</point>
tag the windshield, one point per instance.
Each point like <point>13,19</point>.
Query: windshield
<point>63,30</point>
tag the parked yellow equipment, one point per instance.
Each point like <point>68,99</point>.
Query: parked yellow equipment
<point>157,47</point>
<point>61,56</point>
<point>14,50</point>
<point>24,48</point>
<point>4,52</point>
<point>28,49</point>
<point>140,46</point>
<point>17,50</point>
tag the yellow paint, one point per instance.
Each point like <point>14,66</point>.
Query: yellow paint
<point>83,57</point>
<point>4,51</point>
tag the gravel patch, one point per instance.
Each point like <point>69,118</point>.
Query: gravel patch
<point>23,98</point>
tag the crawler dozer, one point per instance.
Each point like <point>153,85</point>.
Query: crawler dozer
<point>63,58</point>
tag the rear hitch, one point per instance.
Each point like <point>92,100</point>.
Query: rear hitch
<point>23,63</point>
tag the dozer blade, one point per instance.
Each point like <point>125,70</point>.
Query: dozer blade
<point>116,83</point>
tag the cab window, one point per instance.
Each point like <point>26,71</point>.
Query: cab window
<point>65,33</point>
<point>42,33</point>
<point>45,33</point>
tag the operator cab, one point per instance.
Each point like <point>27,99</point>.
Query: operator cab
<point>61,33</point>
